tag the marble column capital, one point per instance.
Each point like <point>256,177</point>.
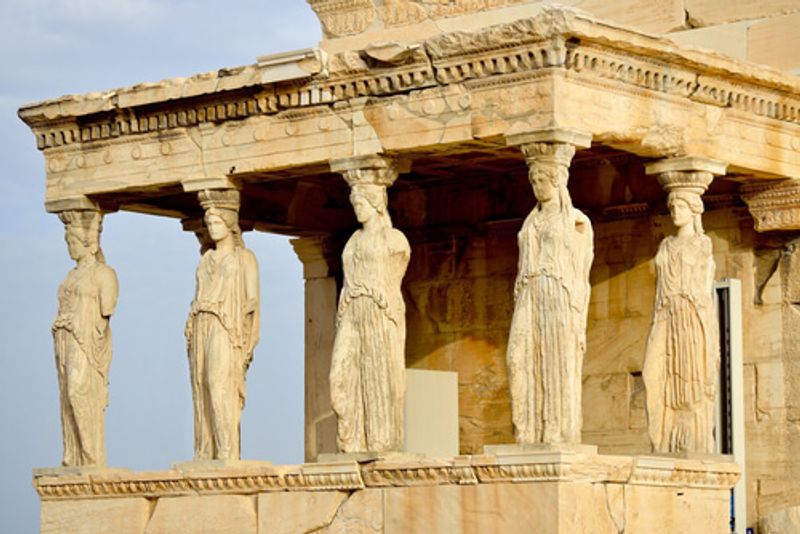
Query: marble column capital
<point>568,136</point>
<point>549,145</point>
<point>193,185</point>
<point>686,173</point>
<point>317,254</point>
<point>76,203</point>
<point>372,169</point>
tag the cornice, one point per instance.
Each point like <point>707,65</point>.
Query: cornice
<point>774,204</point>
<point>557,38</point>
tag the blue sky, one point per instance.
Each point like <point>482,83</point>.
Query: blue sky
<point>56,47</point>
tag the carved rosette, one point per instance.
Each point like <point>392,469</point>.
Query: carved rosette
<point>774,205</point>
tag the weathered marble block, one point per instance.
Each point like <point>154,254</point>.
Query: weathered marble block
<point>508,492</point>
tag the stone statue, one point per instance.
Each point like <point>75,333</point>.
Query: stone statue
<point>82,335</point>
<point>222,329</point>
<point>368,364</point>
<point>547,340</point>
<point>682,354</point>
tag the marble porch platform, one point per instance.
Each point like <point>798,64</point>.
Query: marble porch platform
<point>509,491</point>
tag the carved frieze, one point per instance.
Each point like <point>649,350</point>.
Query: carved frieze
<point>344,17</point>
<point>716,473</point>
<point>774,205</point>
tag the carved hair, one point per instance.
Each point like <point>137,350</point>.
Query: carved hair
<point>86,226</point>
<point>695,204</point>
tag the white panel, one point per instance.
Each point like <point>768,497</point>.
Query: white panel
<point>431,412</point>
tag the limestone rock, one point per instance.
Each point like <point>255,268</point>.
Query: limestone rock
<point>784,521</point>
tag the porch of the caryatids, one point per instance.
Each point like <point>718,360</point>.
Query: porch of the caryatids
<point>367,377</point>
<point>682,355</point>
<point>547,338</point>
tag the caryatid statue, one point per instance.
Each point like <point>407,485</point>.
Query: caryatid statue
<point>222,329</point>
<point>547,340</point>
<point>367,375</point>
<point>682,354</point>
<point>82,335</point>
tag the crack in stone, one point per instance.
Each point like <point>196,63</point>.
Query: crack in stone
<point>152,502</point>
<point>333,517</point>
<point>611,514</point>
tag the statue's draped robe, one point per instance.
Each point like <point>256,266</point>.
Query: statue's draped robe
<point>682,355</point>
<point>82,337</point>
<point>368,363</point>
<point>547,339</point>
<point>222,331</point>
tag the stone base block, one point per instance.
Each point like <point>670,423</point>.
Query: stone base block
<point>528,491</point>
<point>96,516</point>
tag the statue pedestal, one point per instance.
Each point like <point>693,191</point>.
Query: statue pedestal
<point>528,491</point>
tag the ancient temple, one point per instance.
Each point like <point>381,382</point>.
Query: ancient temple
<point>669,261</point>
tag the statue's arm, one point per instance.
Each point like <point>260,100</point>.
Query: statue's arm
<point>583,229</point>
<point>398,245</point>
<point>400,252</point>
<point>522,255</point>
<point>109,291</point>
<point>712,319</point>
<point>251,305</point>
<point>251,285</point>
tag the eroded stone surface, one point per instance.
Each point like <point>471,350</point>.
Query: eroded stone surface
<point>781,522</point>
<point>210,514</point>
<point>293,512</point>
<point>98,516</point>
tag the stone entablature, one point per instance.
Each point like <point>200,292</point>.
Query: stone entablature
<point>630,91</point>
<point>775,205</point>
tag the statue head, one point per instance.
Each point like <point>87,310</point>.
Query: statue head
<point>370,200</point>
<point>548,171</point>
<point>82,233</point>
<point>686,207</point>
<point>222,214</point>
